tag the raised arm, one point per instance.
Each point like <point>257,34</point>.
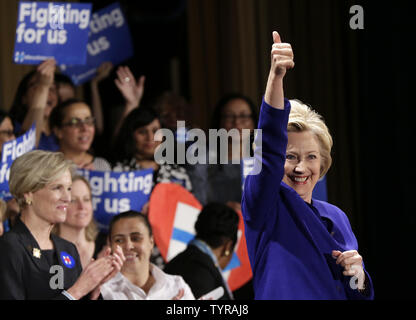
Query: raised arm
<point>38,102</point>
<point>132,92</point>
<point>261,190</point>
<point>102,72</point>
<point>281,60</point>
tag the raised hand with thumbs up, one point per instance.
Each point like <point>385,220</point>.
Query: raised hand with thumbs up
<point>281,60</point>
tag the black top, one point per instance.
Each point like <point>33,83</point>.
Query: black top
<point>26,272</point>
<point>198,270</point>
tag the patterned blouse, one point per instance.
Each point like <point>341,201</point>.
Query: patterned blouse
<point>166,173</point>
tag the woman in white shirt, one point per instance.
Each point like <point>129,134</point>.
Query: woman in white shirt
<point>139,279</point>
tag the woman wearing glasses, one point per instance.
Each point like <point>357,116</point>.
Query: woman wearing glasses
<point>74,126</point>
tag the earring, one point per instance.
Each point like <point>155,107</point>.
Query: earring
<point>28,202</point>
<point>227,253</point>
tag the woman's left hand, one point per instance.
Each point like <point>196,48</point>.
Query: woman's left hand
<point>352,263</point>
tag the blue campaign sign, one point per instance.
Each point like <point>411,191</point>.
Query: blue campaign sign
<point>12,150</point>
<point>109,40</point>
<point>52,30</point>
<point>115,192</point>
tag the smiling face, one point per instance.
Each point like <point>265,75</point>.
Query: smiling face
<point>76,135</point>
<point>303,163</point>
<point>145,140</point>
<point>51,202</point>
<point>80,211</point>
<point>132,235</point>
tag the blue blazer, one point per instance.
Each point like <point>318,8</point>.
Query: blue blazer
<point>289,247</point>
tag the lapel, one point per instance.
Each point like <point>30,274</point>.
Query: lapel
<point>310,224</point>
<point>30,245</point>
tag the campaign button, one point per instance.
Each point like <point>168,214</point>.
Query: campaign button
<point>67,260</point>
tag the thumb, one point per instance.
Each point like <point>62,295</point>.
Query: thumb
<point>276,37</point>
<point>336,253</point>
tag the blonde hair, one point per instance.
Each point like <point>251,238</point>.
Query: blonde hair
<point>303,118</point>
<point>34,170</point>
<point>3,209</point>
<point>91,231</point>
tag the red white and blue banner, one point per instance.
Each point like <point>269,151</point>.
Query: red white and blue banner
<point>173,212</point>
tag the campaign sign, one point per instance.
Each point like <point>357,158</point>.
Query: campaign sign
<point>10,151</point>
<point>109,40</point>
<point>173,212</point>
<point>52,30</point>
<point>115,192</point>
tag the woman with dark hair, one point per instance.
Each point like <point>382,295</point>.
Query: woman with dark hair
<point>233,111</point>
<point>134,150</point>
<point>221,182</point>
<point>6,129</point>
<point>201,263</point>
<point>74,126</point>
<point>135,147</point>
<point>34,100</point>
<point>139,279</point>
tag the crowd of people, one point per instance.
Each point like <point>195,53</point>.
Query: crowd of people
<point>50,219</point>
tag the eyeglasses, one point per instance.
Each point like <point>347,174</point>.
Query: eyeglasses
<point>78,123</point>
<point>234,117</point>
<point>8,133</point>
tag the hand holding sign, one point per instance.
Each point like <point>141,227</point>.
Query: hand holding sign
<point>103,71</point>
<point>45,73</point>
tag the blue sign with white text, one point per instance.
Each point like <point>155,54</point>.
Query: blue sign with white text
<point>115,192</point>
<point>10,151</point>
<point>52,30</point>
<point>109,40</point>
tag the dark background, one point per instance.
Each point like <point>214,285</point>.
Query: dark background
<point>361,81</point>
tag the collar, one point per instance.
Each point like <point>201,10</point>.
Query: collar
<point>32,247</point>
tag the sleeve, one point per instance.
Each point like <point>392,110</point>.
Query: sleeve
<point>196,275</point>
<point>188,295</point>
<point>354,294</point>
<point>11,275</point>
<point>261,190</point>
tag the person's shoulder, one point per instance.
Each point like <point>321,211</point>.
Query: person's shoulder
<point>10,246</point>
<point>9,238</point>
<point>330,209</point>
<point>63,243</point>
